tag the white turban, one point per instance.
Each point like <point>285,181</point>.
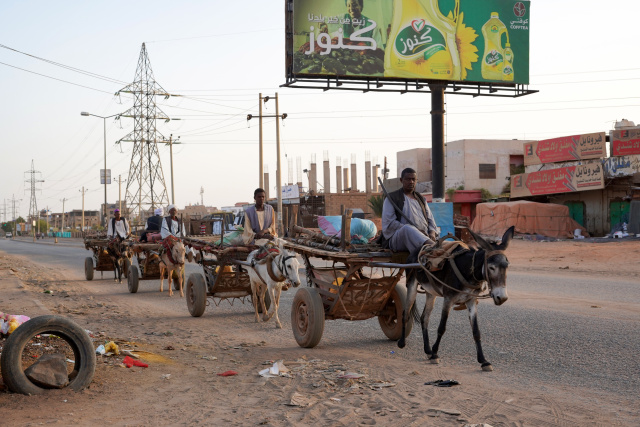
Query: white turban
<point>171,207</point>
<point>159,211</point>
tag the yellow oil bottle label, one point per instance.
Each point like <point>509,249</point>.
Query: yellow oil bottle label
<point>493,58</point>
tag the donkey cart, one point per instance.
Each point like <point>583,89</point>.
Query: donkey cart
<point>101,260</point>
<point>224,276</point>
<point>342,289</point>
<point>148,268</point>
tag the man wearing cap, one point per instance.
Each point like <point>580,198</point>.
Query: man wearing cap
<point>171,224</point>
<point>118,226</point>
<point>259,221</point>
<point>154,223</point>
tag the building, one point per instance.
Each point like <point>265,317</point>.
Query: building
<point>197,211</point>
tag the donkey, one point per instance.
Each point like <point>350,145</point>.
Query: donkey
<point>461,281</point>
<point>269,275</point>
<point>172,259</point>
<point>115,251</point>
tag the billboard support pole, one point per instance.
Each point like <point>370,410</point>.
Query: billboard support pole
<point>260,166</point>
<point>437,141</point>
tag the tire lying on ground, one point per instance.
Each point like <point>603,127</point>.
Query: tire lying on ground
<point>83,351</point>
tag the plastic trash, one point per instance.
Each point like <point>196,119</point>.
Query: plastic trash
<point>100,349</point>
<point>129,362</point>
<point>112,347</point>
<point>277,370</point>
<point>227,374</point>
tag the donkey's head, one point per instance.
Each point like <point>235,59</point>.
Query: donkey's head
<point>495,265</point>
<point>178,252</point>
<point>288,264</point>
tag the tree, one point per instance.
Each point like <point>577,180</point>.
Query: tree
<point>375,203</point>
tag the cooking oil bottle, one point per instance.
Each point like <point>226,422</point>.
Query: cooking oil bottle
<point>493,57</point>
<point>422,42</point>
<point>508,72</point>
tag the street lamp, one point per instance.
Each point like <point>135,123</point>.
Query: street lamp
<point>84,113</point>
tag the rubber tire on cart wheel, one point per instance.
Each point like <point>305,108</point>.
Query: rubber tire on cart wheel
<point>174,279</point>
<point>196,294</point>
<point>267,302</point>
<point>126,266</point>
<point>88,268</point>
<point>133,279</point>
<point>307,317</point>
<point>391,322</point>
<point>11,359</point>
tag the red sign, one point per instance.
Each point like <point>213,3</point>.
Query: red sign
<point>566,148</point>
<point>561,180</point>
<point>625,142</point>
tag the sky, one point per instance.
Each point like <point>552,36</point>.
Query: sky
<point>220,55</point>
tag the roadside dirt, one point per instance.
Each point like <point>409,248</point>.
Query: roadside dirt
<point>181,385</point>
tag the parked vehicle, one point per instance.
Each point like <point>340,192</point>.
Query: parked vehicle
<point>8,235</point>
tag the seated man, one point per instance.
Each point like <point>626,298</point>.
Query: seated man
<point>154,223</point>
<point>416,227</point>
<point>260,221</point>
<point>171,225</point>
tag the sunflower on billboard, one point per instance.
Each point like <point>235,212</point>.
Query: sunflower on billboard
<point>465,36</point>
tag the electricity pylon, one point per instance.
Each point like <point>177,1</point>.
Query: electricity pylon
<point>146,187</point>
<point>34,215</point>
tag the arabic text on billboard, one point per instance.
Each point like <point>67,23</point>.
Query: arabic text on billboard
<point>625,142</point>
<point>456,40</point>
<point>568,179</point>
<point>566,148</point>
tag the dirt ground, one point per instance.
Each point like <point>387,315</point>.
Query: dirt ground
<point>181,385</point>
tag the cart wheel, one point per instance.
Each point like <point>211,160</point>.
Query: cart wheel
<point>84,353</point>
<point>196,294</point>
<point>133,279</point>
<point>391,317</point>
<point>88,268</point>
<point>307,317</point>
<point>174,279</point>
<point>126,265</point>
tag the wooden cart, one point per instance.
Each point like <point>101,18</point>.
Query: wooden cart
<point>100,260</point>
<point>148,268</point>
<point>224,275</point>
<point>345,281</point>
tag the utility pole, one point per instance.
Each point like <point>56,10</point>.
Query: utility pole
<point>120,195</point>
<point>170,143</point>
<point>82,226</point>
<point>261,155</point>
<point>13,202</point>
<point>63,200</point>
<point>277,116</point>
<point>202,196</point>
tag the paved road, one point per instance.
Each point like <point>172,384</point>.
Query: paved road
<point>573,331</point>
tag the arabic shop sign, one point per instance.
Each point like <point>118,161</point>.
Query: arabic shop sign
<point>410,39</point>
<point>625,142</point>
<point>566,148</point>
<point>588,176</point>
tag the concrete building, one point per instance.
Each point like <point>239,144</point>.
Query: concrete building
<point>197,211</point>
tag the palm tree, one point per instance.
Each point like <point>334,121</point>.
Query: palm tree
<point>375,203</point>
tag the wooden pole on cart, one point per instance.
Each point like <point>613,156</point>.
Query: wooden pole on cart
<point>293,221</point>
<point>345,237</point>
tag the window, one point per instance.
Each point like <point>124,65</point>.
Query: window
<point>487,170</point>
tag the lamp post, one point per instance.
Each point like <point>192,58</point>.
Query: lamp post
<point>170,142</point>
<point>104,121</point>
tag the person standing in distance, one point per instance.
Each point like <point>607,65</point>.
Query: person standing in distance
<point>260,221</point>
<point>398,234</point>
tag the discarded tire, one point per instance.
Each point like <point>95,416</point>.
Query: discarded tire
<point>83,351</point>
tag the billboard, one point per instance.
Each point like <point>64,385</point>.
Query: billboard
<point>625,142</point>
<point>566,148</point>
<point>453,40</point>
<point>588,176</point>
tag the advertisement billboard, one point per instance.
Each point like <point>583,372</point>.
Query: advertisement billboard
<point>566,148</point>
<point>453,40</point>
<point>588,176</point>
<point>625,142</point>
